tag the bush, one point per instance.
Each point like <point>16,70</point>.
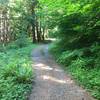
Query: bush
<point>68,56</point>
<point>24,73</point>
<point>83,64</point>
<point>22,41</point>
<point>12,45</point>
<point>16,74</point>
<point>2,48</point>
<point>88,78</point>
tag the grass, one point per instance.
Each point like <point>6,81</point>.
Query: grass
<point>16,73</point>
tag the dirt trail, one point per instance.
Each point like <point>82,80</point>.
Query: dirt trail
<point>51,82</point>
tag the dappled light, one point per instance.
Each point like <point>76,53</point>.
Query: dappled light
<point>53,79</point>
<point>49,78</point>
<point>42,66</point>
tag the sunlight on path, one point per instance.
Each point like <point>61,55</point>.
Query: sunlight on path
<point>51,82</point>
<point>44,77</point>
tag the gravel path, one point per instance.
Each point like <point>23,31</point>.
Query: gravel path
<point>51,82</point>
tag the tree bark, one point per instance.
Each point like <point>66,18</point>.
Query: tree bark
<point>38,31</point>
<point>33,23</point>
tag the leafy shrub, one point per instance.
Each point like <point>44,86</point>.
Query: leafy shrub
<point>16,73</point>
<point>24,73</point>
<point>83,64</point>
<point>88,78</point>
<point>22,41</point>
<point>2,48</point>
<point>68,56</point>
<point>12,45</point>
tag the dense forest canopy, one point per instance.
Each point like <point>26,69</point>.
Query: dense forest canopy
<point>38,17</point>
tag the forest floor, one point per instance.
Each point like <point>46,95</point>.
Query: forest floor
<point>51,82</point>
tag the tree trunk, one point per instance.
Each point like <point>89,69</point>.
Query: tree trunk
<point>43,33</point>
<point>33,24</point>
<point>38,31</point>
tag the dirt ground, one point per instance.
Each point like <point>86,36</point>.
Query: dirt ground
<point>51,82</point>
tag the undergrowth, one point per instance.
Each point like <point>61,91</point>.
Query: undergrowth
<point>83,64</point>
<point>16,74</point>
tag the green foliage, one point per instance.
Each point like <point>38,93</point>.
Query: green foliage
<point>77,25</point>
<point>2,48</point>
<point>88,78</point>
<point>69,56</point>
<point>16,73</point>
<point>22,41</point>
<point>3,2</point>
<point>83,64</point>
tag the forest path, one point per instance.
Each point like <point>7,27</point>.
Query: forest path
<point>51,82</point>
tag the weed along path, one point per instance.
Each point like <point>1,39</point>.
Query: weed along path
<point>51,82</point>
